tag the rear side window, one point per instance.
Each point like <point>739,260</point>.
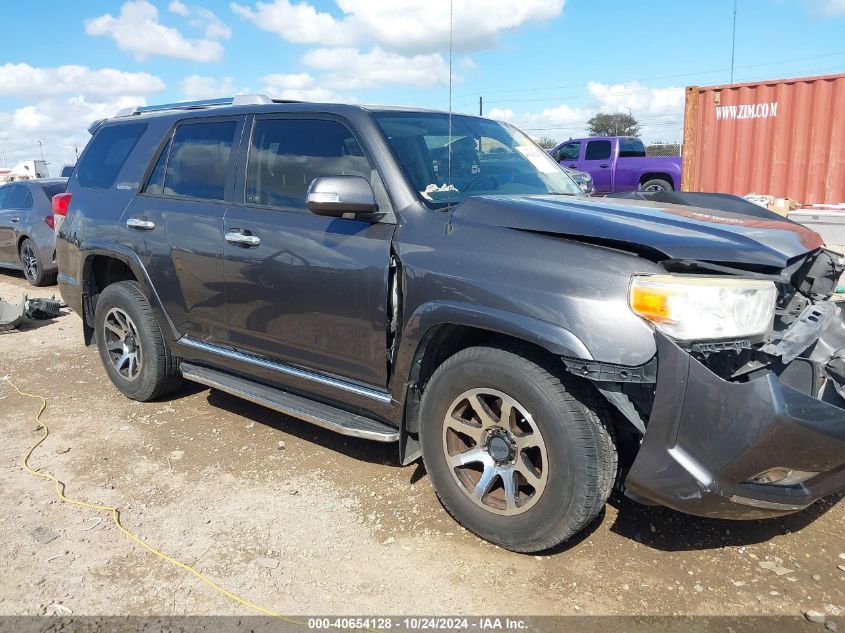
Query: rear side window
<point>597,150</point>
<point>4,194</point>
<point>199,160</point>
<point>631,148</point>
<point>107,153</point>
<point>287,154</point>
<point>52,189</point>
<point>19,198</point>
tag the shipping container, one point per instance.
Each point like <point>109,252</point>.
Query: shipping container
<point>784,138</point>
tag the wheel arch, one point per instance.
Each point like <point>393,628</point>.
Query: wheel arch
<point>436,332</point>
<point>660,175</point>
<point>21,237</point>
<point>101,267</point>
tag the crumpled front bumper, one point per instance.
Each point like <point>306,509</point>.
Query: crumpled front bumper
<point>707,438</point>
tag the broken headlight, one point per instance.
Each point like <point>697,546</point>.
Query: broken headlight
<point>704,307</point>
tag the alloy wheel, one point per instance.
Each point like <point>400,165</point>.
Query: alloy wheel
<point>123,344</point>
<point>29,260</point>
<point>495,451</point>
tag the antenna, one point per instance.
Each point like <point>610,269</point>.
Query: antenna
<point>449,142</point>
<point>733,43</point>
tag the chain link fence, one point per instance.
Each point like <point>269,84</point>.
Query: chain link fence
<point>663,149</point>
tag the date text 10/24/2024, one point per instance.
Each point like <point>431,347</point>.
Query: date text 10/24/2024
<point>387,623</point>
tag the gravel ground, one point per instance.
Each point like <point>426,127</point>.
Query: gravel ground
<point>328,524</point>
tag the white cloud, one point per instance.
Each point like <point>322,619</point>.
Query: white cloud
<point>350,68</point>
<point>137,29</point>
<point>501,114</point>
<point>404,26</point>
<point>59,123</point>
<point>25,81</point>
<point>178,8</point>
<point>300,87</point>
<point>298,23</point>
<point>194,87</point>
<point>214,27</point>
<point>659,110</point>
<point>826,7</point>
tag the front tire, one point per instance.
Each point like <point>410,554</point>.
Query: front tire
<point>132,348</point>
<point>517,452</point>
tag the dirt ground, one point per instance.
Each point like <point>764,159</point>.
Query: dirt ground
<point>327,524</point>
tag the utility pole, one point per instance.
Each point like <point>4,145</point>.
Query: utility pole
<point>733,42</point>
<point>41,147</point>
<point>480,105</point>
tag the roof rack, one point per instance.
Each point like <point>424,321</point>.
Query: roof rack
<point>250,99</point>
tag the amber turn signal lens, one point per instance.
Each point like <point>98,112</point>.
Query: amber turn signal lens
<point>651,304</point>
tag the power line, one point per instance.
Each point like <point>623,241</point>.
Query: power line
<point>474,95</point>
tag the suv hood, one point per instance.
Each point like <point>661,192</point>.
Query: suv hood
<point>677,231</point>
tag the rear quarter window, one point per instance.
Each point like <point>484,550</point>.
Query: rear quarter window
<point>105,157</point>
<point>53,189</point>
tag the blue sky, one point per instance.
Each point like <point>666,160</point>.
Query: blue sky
<point>545,65</point>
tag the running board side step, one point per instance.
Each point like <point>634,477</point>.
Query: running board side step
<point>317,413</point>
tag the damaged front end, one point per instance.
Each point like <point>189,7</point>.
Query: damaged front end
<point>751,427</point>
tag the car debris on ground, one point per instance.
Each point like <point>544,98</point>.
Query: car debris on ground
<point>12,315</point>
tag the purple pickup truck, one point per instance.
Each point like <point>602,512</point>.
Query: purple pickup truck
<point>619,163</point>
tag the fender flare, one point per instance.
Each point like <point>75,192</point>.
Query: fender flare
<point>92,249</point>
<point>418,332</point>
<point>419,326</point>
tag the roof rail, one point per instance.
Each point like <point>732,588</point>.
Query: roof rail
<point>250,99</point>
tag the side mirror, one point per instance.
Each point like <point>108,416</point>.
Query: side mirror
<point>336,196</point>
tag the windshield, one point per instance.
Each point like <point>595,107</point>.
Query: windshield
<point>480,157</point>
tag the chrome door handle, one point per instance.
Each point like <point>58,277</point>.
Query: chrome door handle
<point>144,225</point>
<point>15,220</point>
<point>237,236</point>
<point>604,165</point>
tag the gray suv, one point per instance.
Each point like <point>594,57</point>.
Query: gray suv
<point>437,281</point>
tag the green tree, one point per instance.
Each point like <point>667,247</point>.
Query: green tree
<point>546,142</point>
<point>613,124</point>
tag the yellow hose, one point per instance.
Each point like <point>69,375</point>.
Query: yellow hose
<point>115,515</point>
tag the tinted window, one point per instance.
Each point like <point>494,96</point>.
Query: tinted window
<point>107,153</point>
<point>199,160</point>
<point>155,185</point>
<point>53,188</point>
<point>569,151</point>
<point>19,198</point>
<point>4,192</point>
<point>631,148</point>
<point>597,150</point>
<point>287,154</point>
<point>67,170</point>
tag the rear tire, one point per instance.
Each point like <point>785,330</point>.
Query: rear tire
<point>656,184</point>
<point>132,348</point>
<point>563,478</point>
<point>33,267</point>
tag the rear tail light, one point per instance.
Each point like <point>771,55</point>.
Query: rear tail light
<point>50,222</point>
<point>61,202</point>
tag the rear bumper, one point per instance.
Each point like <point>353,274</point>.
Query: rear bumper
<point>707,438</point>
<point>70,291</point>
